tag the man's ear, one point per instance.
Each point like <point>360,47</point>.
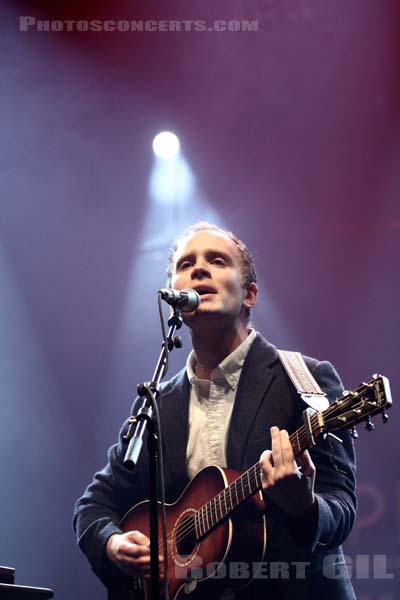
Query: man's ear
<point>250,300</point>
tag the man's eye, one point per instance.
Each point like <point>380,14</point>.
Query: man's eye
<point>218,261</point>
<point>185,264</point>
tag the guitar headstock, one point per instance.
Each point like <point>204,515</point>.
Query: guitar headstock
<point>359,405</point>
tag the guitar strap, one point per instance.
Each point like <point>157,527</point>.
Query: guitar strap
<point>302,379</point>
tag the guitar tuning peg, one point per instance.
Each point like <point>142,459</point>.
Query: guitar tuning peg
<point>385,417</point>
<point>354,433</point>
<point>369,426</point>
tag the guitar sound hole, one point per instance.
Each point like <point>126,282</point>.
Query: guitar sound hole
<point>186,537</point>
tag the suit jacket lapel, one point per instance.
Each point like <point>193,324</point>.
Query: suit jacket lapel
<point>255,379</point>
<point>174,416</point>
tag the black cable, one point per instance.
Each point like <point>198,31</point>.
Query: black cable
<point>162,495</point>
<point>161,457</point>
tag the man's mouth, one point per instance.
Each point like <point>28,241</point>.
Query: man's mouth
<point>205,291</point>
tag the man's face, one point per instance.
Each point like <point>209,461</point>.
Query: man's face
<point>209,262</point>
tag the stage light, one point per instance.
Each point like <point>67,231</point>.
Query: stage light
<point>166,145</point>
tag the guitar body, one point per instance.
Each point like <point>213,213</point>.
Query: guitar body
<point>210,564</point>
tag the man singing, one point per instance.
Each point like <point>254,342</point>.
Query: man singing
<point>233,405</point>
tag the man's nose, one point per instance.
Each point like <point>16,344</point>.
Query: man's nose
<point>200,270</point>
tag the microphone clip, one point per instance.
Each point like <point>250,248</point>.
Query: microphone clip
<point>184,300</point>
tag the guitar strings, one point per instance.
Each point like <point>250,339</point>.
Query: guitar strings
<point>190,527</point>
<point>207,508</point>
<point>205,512</point>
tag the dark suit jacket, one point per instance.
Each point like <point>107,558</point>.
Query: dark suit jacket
<point>265,397</point>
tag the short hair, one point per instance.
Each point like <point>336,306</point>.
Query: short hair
<point>246,259</point>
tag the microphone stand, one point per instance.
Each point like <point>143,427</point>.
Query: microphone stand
<point>149,392</point>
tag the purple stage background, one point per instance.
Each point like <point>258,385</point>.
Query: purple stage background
<point>290,137</point>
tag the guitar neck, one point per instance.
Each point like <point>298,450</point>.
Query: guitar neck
<point>245,486</point>
<point>353,407</point>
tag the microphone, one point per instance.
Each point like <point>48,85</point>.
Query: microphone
<point>186,300</point>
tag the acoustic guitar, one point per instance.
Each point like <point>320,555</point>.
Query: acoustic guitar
<point>219,520</point>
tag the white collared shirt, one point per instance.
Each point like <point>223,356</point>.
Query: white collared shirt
<point>210,408</point>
